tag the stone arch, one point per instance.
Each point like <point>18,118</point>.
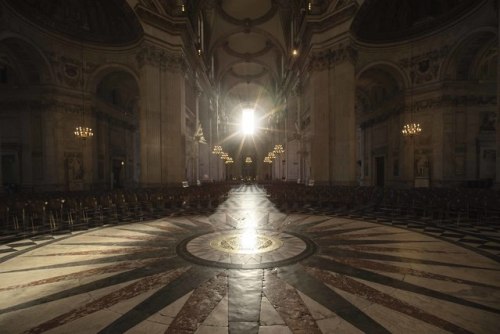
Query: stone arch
<point>25,58</point>
<point>382,81</point>
<point>380,88</point>
<point>118,86</point>
<point>459,64</point>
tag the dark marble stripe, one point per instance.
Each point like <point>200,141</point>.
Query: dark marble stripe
<point>245,294</point>
<point>155,233</point>
<point>340,252</point>
<point>289,305</point>
<point>359,236</point>
<point>134,289</point>
<point>336,232</point>
<point>160,299</point>
<point>84,273</point>
<point>364,291</point>
<point>22,244</point>
<point>398,250</point>
<point>109,259</point>
<point>341,242</point>
<point>103,252</point>
<point>199,305</point>
<point>371,265</point>
<point>24,251</point>
<point>188,227</point>
<point>328,227</point>
<point>340,268</point>
<point>133,237</point>
<point>147,270</point>
<point>198,222</point>
<point>169,229</point>
<point>151,243</point>
<point>297,277</point>
<point>307,226</point>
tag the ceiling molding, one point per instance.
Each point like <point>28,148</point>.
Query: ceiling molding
<point>247,22</point>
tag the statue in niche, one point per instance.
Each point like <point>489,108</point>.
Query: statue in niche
<point>75,169</point>
<point>490,155</point>
<point>488,122</point>
<point>422,167</point>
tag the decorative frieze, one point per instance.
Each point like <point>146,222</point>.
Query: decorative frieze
<point>68,70</point>
<point>154,56</point>
<point>324,59</point>
<point>425,67</point>
<point>454,100</point>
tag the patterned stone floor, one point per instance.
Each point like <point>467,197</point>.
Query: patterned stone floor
<point>249,268</point>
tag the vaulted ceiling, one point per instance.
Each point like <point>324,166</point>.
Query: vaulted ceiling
<point>248,45</point>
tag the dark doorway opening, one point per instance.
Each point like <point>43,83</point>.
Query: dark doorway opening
<point>380,171</point>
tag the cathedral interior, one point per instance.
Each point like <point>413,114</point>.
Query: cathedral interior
<point>249,166</point>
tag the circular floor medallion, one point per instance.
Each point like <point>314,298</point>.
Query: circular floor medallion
<point>245,249</point>
<point>246,243</point>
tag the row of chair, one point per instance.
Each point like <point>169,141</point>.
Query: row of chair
<point>27,215</point>
<point>436,204</point>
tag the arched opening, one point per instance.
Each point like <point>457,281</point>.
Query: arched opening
<point>23,71</point>
<point>472,67</point>
<point>379,104</point>
<point>117,138</point>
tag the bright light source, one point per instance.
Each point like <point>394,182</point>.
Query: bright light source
<point>247,121</point>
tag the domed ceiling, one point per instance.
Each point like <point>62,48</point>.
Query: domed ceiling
<point>109,22</point>
<point>389,20</point>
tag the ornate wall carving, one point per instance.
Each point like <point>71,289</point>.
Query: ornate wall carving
<point>155,56</point>
<point>324,59</point>
<point>425,67</point>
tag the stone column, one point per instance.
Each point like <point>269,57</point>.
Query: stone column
<point>160,118</point>
<point>343,118</point>
<point>320,121</point>
<point>197,139</point>
<point>2,189</point>
<point>333,146</point>
<point>497,127</point>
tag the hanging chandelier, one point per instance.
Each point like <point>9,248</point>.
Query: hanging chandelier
<point>229,160</point>
<point>81,131</point>
<point>411,129</point>
<point>217,150</point>
<point>271,155</point>
<point>224,155</point>
<point>268,160</point>
<point>248,160</point>
<point>278,149</point>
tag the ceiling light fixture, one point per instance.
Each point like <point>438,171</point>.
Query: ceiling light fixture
<point>81,131</point>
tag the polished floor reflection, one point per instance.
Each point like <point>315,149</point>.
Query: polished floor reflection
<point>249,268</point>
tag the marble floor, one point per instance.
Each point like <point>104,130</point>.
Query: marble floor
<point>249,268</point>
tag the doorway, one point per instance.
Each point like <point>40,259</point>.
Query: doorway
<point>118,173</point>
<point>10,169</point>
<point>380,171</point>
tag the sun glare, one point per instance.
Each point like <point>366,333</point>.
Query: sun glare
<point>247,121</point>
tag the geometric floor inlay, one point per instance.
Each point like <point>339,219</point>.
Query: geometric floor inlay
<point>249,269</point>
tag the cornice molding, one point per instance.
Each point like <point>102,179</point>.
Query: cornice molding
<point>161,58</point>
<point>247,23</point>
<point>324,59</point>
<point>248,56</point>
